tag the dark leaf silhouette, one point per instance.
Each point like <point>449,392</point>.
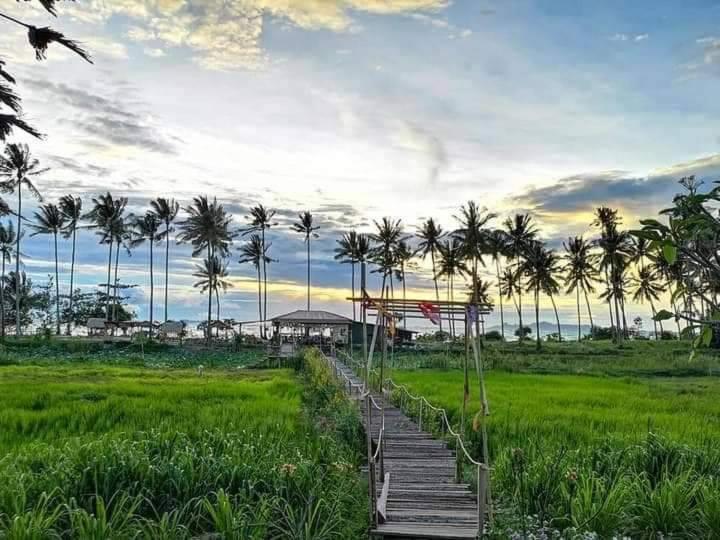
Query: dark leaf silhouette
<point>41,38</point>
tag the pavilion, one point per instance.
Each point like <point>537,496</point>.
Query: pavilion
<point>302,327</point>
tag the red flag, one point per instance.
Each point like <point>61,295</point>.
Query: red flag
<point>430,311</point>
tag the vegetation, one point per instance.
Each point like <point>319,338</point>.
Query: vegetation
<point>121,452</point>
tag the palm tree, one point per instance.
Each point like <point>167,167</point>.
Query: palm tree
<point>430,235</point>
<point>580,273</point>
<point>261,219</point>
<point>207,228</point>
<point>497,248</point>
<point>540,267</point>
<point>71,208</point>
<point>346,253</point>
<point>403,260</point>
<point>147,229</point>
<point>106,216</point>
<point>212,276</point>
<point>18,168</point>
<point>472,234</point>
<point>648,288</point>
<point>479,292</point>
<point>520,233</point>
<point>7,251</point>
<point>387,236</point>
<point>305,226</point>
<point>166,210</point>
<point>50,220</point>
<point>451,264</point>
<point>510,288</point>
<point>253,252</point>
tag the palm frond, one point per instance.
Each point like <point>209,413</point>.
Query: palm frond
<point>10,121</point>
<point>4,74</point>
<point>41,38</point>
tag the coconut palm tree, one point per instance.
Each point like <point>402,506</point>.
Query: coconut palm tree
<point>147,229</point>
<point>50,220</point>
<point>167,211</point>
<point>107,217</point>
<point>510,285</point>
<point>388,233</point>
<point>18,168</point>
<point>305,226</point>
<point>472,234</point>
<point>352,248</point>
<point>580,273</point>
<point>403,261</point>
<point>207,229</point>
<point>648,288</point>
<point>253,252</point>
<point>450,265</point>
<point>7,252</point>
<point>261,219</point>
<point>212,277</point>
<point>496,243</point>
<point>540,266</point>
<point>520,233</point>
<point>71,208</point>
<point>430,235</point>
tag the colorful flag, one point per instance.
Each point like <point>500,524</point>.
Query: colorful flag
<point>430,311</point>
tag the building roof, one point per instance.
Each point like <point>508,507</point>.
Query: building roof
<point>312,317</point>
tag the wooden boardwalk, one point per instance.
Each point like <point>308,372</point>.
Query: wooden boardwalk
<point>417,493</point>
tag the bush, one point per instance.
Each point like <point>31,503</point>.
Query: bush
<point>493,335</point>
<point>525,332</point>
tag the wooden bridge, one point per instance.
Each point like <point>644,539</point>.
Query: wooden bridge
<point>416,482</point>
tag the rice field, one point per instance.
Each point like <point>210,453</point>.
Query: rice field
<point>602,455</point>
<point>93,451</point>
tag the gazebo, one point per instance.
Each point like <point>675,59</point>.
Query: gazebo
<point>299,327</point>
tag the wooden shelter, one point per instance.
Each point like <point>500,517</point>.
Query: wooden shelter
<point>302,327</point>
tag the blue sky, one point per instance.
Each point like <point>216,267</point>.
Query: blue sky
<point>356,109</point>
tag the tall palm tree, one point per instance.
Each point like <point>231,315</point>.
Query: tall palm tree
<point>107,217</point>
<point>403,261</point>
<point>50,220</point>
<point>510,288</point>
<point>212,277</point>
<point>497,248</point>
<point>520,233</point>
<point>261,219</point>
<point>253,252</point>
<point>71,208</point>
<point>166,210</point>
<point>430,235</point>
<point>541,266</point>
<point>147,229</point>
<point>580,273</point>
<point>121,234</point>
<point>7,252</point>
<point>207,229</point>
<point>346,253</point>
<point>648,288</point>
<point>388,233</point>
<point>305,226</point>
<point>450,265</point>
<point>18,169</point>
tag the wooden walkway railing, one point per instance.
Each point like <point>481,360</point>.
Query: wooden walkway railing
<point>422,493</point>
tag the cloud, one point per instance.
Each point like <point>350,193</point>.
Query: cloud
<point>227,35</point>
<point>629,37</point>
<point>711,49</point>
<point>119,121</point>
<point>153,52</point>
<point>415,138</point>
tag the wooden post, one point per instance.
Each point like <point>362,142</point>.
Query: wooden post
<point>373,491</point>
<point>364,324</point>
<point>458,463</point>
<point>420,421</point>
<point>382,456</point>
<point>482,487</point>
<point>368,436</point>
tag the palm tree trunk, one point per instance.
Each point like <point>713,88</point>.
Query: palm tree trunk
<point>2,300</point>
<point>624,319</point>
<point>210,291</point>
<point>452,297</point>
<point>264,264</point>
<point>607,283</point>
<point>17,261</point>
<point>152,287</point>
<point>587,303</point>
<point>107,299</point>
<point>57,289</point>
<point>577,297</point>
<point>437,289</point>
<point>352,285</point>
<point>402,271</point>
<point>557,317</point>
<point>537,317</point>
<point>502,316</point>
<point>72,277</point>
<point>167,266</point>
<point>308,273</point>
<point>655,324</point>
<point>618,330</point>
<point>519,308</point>
<point>259,280</point>
<point>116,290</point>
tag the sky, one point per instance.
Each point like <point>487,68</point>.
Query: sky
<point>358,109</point>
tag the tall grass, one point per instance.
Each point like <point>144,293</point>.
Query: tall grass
<point>136,453</point>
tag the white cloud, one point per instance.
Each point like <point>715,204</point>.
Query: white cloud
<point>153,52</point>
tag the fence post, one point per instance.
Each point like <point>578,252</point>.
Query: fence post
<point>482,484</point>
<point>420,422</point>
<point>373,492</point>
<point>382,456</point>
<point>458,464</point>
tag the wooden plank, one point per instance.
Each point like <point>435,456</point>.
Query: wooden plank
<point>382,500</point>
